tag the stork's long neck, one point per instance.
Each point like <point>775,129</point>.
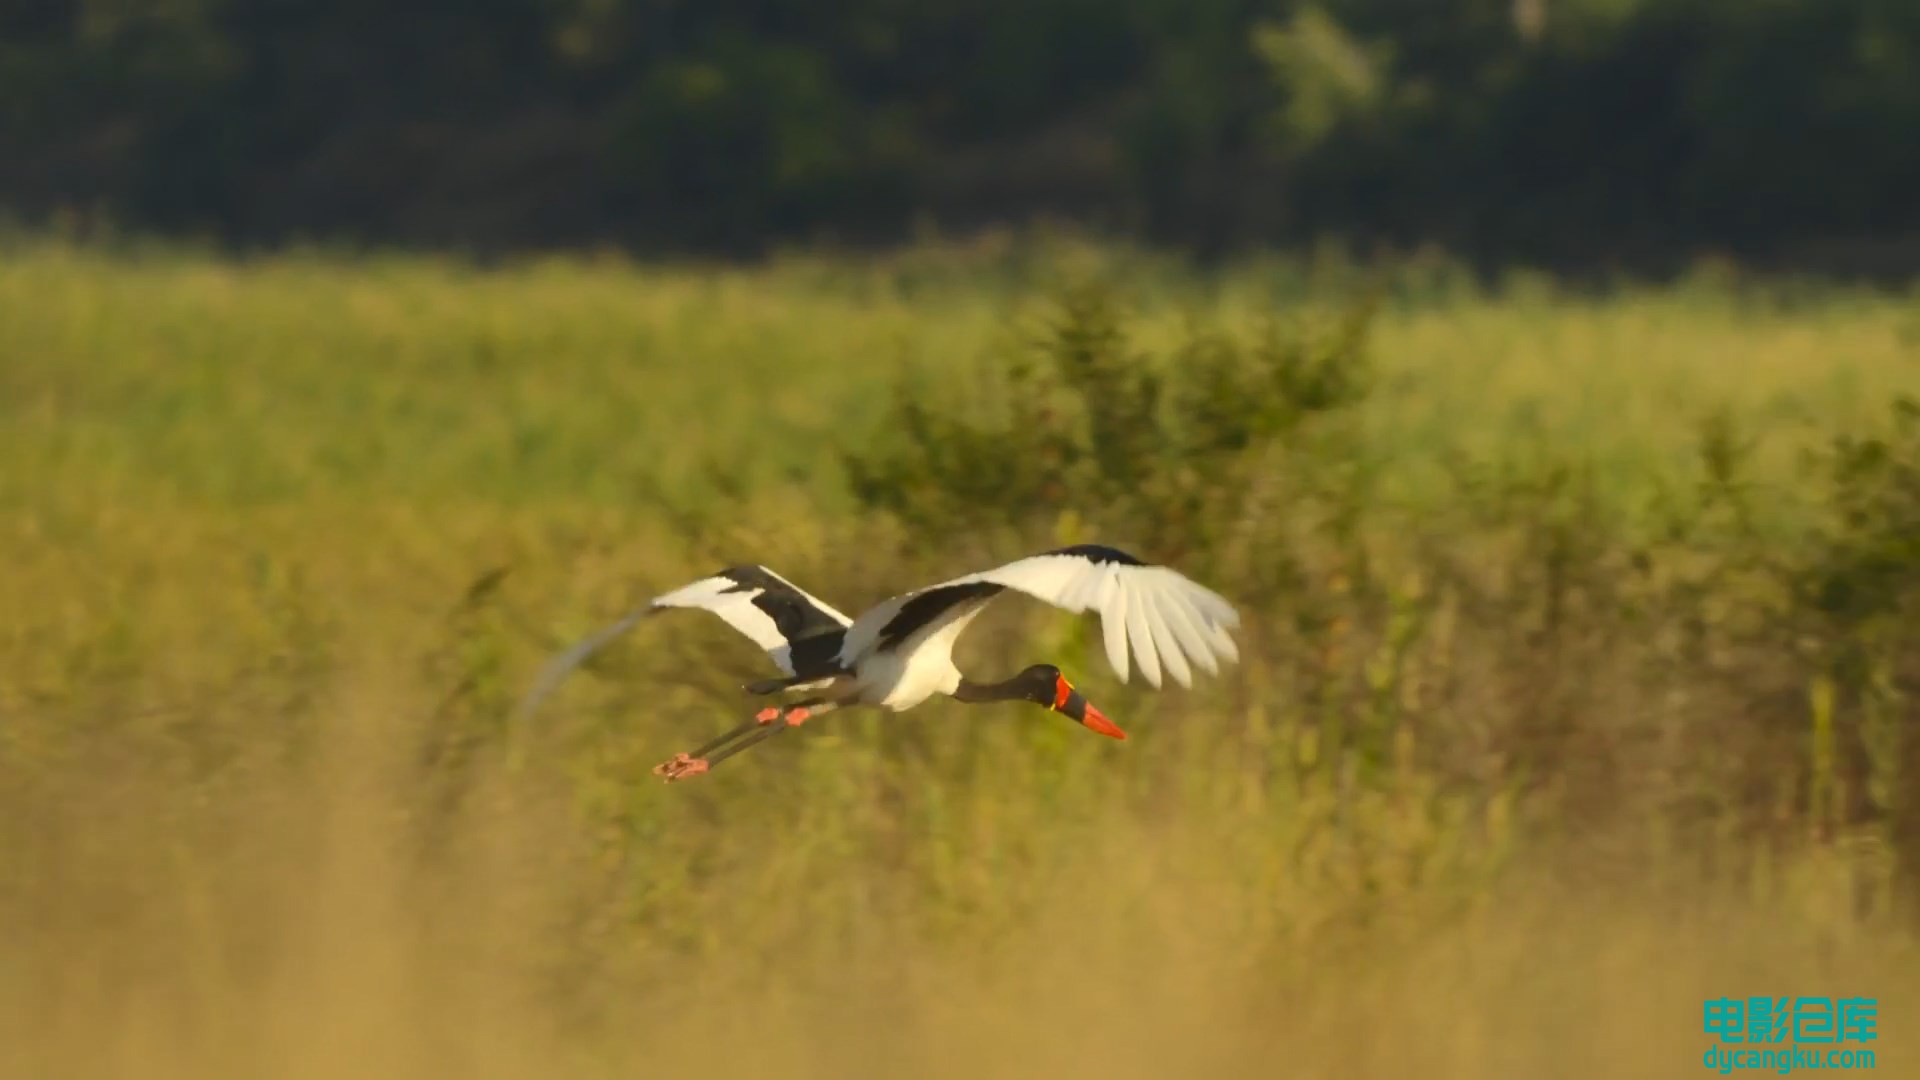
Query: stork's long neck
<point>1006,690</point>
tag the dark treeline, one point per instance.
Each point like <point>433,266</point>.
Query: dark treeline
<point>1571,132</point>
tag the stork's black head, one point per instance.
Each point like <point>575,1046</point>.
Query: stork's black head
<point>1043,684</point>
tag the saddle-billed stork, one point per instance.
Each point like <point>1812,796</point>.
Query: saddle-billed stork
<point>899,652</point>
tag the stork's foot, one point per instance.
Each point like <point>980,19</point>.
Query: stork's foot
<point>681,767</point>
<point>794,717</point>
<point>767,716</point>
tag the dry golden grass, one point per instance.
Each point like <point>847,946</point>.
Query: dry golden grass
<point>308,941</point>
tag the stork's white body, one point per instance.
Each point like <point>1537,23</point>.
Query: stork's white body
<point>899,679</point>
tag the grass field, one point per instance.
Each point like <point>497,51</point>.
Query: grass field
<point>1534,747</point>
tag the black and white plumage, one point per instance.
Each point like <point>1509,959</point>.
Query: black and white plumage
<point>799,632</point>
<point>899,652</point>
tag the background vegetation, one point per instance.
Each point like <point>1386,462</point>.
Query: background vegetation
<point>1579,675</point>
<point>1577,133</point>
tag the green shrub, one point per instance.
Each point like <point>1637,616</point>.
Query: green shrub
<point>1860,590</point>
<point>1168,449</point>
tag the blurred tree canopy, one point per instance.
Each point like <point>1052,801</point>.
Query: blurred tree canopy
<point>1556,131</point>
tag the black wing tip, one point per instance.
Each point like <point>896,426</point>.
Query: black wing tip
<point>1099,553</point>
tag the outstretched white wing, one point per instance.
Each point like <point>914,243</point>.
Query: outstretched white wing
<point>797,630</point>
<point>1163,616</point>
<point>774,612</point>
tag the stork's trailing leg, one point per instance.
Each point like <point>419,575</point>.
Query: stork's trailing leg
<point>765,724</point>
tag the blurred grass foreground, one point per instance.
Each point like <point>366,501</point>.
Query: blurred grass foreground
<point>1582,646</point>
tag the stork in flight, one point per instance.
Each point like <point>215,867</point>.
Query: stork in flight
<point>899,652</point>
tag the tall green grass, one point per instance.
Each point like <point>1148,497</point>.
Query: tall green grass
<point>1550,723</point>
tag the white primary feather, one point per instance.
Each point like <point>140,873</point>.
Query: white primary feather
<point>1159,614</point>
